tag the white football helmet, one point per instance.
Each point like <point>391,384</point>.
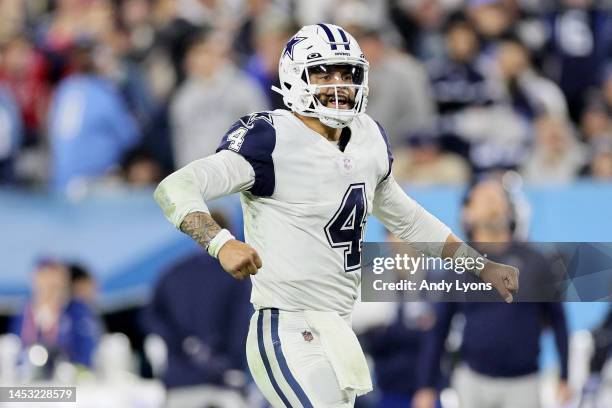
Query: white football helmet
<point>313,48</point>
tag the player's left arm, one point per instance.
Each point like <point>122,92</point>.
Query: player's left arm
<point>407,220</point>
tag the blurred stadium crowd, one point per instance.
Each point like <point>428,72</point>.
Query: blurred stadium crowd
<point>96,94</point>
<point>99,92</point>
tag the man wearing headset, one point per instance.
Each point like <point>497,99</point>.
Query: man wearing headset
<point>500,345</point>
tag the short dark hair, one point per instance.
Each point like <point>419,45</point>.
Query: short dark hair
<point>456,19</point>
<point>78,272</point>
<point>197,38</point>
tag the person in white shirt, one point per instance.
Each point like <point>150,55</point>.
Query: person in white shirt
<point>308,179</point>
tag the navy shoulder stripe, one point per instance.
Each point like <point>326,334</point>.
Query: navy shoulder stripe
<point>254,138</point>
<point>389,155</point>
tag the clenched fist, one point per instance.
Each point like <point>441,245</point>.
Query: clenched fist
<point>239,259</point>
<point>504,278</point>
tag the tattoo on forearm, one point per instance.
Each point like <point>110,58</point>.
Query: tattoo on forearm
<point>201,227</point>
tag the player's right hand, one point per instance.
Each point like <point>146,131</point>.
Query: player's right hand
<point>239,259</point>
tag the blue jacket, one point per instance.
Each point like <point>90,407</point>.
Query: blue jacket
<point>90,129</point>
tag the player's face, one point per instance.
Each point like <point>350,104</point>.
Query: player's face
<point>336,75</point>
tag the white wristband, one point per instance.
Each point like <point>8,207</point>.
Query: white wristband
<point>466,251</point>
<point>218,241</point>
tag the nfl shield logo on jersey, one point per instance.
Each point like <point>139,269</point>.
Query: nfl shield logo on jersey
<point>307,336</point>
<point>346,165</point>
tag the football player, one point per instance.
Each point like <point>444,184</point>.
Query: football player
<point>308,178</point>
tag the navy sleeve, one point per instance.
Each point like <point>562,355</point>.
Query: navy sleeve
<point>389,155</point>
<point>254,138</point>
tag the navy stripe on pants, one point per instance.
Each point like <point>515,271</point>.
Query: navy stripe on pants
<point>264,357</point>
<point>295,386</point>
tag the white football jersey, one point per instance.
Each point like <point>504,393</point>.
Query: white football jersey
<point>305,213</point>
<point>305,202</point>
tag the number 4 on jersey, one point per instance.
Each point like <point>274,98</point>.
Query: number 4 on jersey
<point>345,229</point>
<point>236,139</point>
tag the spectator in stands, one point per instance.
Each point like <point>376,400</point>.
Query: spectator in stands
<point>137,17</point>
<point>501,341</point>
<point>261,17</point>
<point>556,156</point>
<point>457,82</point>
<point>272,30</point>
<point>202,314</point>
<point>215,93</point>
<point>50,319</point>
<point>421,162</point>
<point>113,61</point>
<point>86,325</point>
<point>492,19</point>
<point>89,124</point>
<point>10,135</point>
<point>140,169</point>
<point>83,286</point>
<point>43,321</point>
<point>596,120</point>
<point>529,93</point>
<point>579,47</point>
<point>499,134</point>
<point>25,72</point>
<point>401,99</point>
<point>600,166</point>
<point>418,23</point>
<point>50,292</point>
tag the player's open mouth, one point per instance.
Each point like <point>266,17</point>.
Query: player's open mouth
<point>343,102</point>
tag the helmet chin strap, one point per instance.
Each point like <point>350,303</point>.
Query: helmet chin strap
<point>334,123</point>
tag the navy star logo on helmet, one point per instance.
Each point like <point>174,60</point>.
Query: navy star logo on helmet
<point>291,44</point>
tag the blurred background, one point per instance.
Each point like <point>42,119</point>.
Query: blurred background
<point>100,99</point>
